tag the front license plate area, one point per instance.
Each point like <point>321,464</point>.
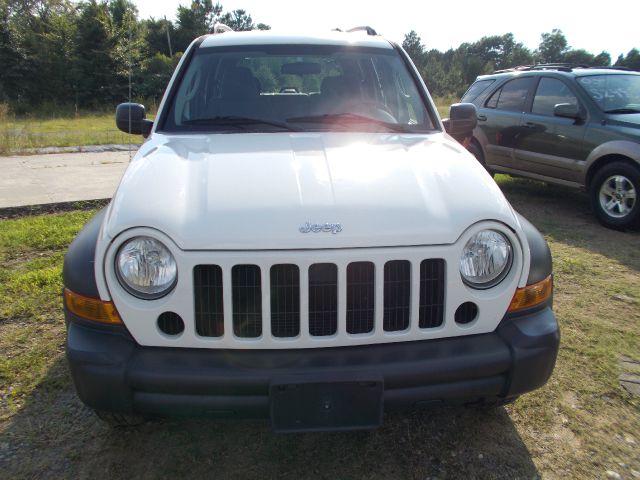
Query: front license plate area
<point>321,406</point>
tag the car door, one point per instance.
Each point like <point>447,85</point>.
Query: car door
<point>499,121</point>
<point>549,145</point>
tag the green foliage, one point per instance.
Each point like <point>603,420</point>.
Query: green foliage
<point>553,47</point>
<point>64,56</point>
<point>240,21</point>
<point>57,53</point>
<point>630,61</point>
<point>195,20</point>
<point>450,73</point>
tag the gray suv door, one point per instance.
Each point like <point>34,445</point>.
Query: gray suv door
<point>549,145</point>
<point>499,121</point>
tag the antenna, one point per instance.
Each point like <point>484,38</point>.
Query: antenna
<point>166,24</point>
<point>130,86</point>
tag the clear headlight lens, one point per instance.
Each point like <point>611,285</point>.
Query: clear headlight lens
<point>146,268</point>
<point>486,259</point>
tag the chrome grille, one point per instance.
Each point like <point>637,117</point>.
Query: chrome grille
<point>306,300</point>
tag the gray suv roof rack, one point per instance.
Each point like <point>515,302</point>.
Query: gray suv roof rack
<point>561,67</point>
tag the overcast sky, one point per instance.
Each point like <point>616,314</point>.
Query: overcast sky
<point>611,25</point>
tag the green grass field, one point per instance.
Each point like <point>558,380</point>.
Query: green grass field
<point>581,424</point>
<point>18,135</point>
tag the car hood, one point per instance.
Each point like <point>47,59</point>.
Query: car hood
<point>256,191</point>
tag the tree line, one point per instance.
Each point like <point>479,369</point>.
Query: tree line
<point>59,55</point>
<point>451,72</point>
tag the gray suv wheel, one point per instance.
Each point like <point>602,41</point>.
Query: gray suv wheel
<point>614,195</point>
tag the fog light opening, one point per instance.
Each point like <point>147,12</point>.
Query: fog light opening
<point>466,313</point>
<point>171,324</point>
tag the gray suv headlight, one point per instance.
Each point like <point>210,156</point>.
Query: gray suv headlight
<point>146,268</point>
<point>486,259</point>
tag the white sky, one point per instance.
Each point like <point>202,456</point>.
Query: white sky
<point>611,25</point>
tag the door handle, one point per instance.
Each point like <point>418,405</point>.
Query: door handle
<point>482,118</point>
<point>530,125</point>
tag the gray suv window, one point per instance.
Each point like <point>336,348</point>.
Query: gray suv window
<point>550,93</point>
<point>475,90</point>
<point>512,95</point>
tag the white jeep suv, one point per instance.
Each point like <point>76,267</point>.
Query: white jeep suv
<point>299,239</point>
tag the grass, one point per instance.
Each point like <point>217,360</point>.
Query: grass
<point>16,135</point>
<point>21,135</point>
<point>443,104</point>
<point>581,424</point>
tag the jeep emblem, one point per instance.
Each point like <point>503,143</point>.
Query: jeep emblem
<point>321,227</point>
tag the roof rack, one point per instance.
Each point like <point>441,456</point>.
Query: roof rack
<point>221,28</point>
<point>561,67</point>
<point>369,30</point>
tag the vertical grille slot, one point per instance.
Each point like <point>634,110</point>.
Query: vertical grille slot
<point>323,299</point>
<point>397,294</point>
<point>431,293</point>
<point>207,284</point>
<point>285,300</point>
<point>360,297</point>
<point>247,301</point>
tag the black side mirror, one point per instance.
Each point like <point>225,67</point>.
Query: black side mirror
<point>131,118</point>
<point>463,118</point>
<point>567,110</point>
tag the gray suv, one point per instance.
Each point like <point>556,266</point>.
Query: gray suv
<point>573,126</point>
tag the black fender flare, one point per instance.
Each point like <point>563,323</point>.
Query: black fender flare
<point>541,265</point>
<point>78,272</point>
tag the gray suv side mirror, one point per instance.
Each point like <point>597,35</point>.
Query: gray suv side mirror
<point>567,110</point>
<point>463,118</point>
<point>135,113</point>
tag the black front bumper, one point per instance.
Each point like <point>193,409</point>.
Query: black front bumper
<point>113,373</point>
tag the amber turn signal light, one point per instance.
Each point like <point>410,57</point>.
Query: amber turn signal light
<point>532,295</point>
<point>92,309</point>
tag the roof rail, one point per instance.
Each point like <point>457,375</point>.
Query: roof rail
<point>561,67</point>
<point>624,69</point>
<point>221,28</point>
<point>369,30</point>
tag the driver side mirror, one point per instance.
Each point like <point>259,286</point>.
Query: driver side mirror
<point>463,118</point>
<point>131,118</point>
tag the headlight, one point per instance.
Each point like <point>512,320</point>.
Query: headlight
<point>486,259</point>
<point>146,268</point>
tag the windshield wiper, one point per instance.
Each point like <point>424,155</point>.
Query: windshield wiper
<point>348,118</point>
<point>623,110</point>
<point>240,122</point>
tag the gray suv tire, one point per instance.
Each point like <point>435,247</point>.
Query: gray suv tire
<point>614,194</point>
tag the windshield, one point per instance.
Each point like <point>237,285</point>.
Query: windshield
<point>616,93</point>
<point>296,87</point>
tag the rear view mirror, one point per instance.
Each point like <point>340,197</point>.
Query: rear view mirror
<point>300,68</point>
<point>462,120</point>
<point>566,110</point>
<point>131,118</point>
